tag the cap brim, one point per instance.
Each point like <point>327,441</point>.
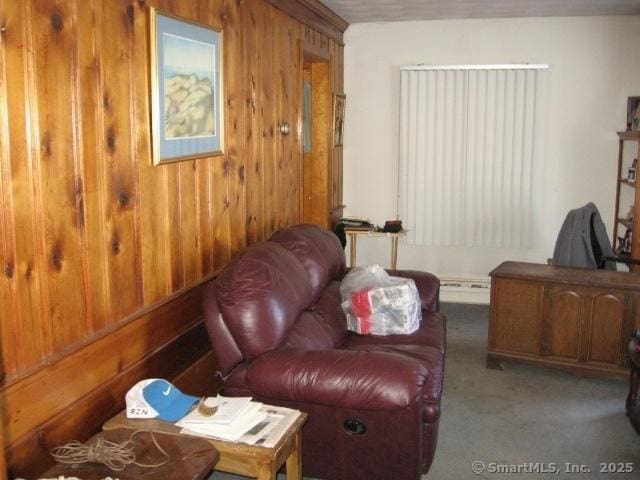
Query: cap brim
<point>178,408</point>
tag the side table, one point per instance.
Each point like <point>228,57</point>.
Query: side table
<point>190,458</point>
<point>353,233</point>
<point>249,460</point>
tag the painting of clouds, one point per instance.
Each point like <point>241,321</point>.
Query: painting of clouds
<point>189,106</point>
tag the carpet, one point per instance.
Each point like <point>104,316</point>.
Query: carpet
<point>525,417</point>
<point>523,422</point>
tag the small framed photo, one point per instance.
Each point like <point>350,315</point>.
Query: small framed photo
<point>633,114</point>
<point>186,89</point>
<point>339,104</point>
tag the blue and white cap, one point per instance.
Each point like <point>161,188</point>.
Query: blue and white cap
<point>158,398</point>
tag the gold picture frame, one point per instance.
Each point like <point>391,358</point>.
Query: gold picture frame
<point>339,104</point>
<point>187,107</point>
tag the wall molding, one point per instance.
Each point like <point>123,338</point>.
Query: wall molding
<point>314,14</point>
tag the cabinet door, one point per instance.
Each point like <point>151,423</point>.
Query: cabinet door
<point>515,316</point>
<point>605,328</point>
<point>561,323</point>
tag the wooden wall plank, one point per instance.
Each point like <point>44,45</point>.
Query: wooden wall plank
<point>25,263</point>
<point>55,60</point>
<point>235,107</point>
<point>292,105</point>
<point>253,133</point>
<point>268,105</point>
<point>119,222</point>
<point>10,360</point>
<point>91,108</point>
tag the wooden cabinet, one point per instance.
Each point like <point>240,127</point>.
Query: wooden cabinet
<point>627,195</point>
<point>574,319</point>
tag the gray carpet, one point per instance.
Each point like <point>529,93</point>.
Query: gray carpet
<point>522,415</point>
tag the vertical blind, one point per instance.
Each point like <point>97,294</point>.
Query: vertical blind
<point>469,145</point>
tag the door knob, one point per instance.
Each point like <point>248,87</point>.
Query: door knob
<point>284,128</point>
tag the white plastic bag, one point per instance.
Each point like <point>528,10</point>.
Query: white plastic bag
<point>376,303</point>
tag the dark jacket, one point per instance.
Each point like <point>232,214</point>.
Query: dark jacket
<point>583,240</point>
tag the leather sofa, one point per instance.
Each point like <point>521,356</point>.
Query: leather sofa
<point>279,334</point>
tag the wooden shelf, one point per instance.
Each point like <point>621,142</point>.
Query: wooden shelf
<point>628,148</point>
<point>629,135</point>
<point>626,223</point>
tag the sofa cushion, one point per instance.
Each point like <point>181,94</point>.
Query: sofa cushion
<point>330,308</point>
<point>318,250</point>
<point>310,332</point>
<point>260,295</point>
<point>432,333</point>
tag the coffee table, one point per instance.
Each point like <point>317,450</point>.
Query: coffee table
<point>261,463</point>
<point>191,458</point>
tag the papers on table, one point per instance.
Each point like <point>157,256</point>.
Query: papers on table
<point>238,419</point>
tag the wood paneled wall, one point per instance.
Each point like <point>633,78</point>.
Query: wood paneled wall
<point>101,252</point>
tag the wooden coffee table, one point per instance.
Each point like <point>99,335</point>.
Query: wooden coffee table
<point>249,460</point>
<point>189,457</point>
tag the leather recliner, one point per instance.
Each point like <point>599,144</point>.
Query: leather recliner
<point>279,334</point>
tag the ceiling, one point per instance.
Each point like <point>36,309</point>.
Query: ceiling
<point>358,11</point>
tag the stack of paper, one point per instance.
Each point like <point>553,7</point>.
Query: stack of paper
<point>234,417</point>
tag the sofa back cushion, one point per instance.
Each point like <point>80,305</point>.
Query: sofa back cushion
<point>318,250</point>
<point>260,295</point>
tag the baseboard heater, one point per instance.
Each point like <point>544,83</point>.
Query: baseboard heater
<point>465,290</point>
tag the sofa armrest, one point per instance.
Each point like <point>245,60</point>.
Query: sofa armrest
<point>340,378</point>
<point>428,286</point>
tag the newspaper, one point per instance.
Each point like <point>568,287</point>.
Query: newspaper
<point>267,433</point>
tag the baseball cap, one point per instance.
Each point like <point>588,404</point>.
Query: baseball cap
<point>158,398</point>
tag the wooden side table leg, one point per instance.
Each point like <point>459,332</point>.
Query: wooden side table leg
<point>352,249</point>
<point>267,471</point>
<point>294,462</point>
<point>394,253</point>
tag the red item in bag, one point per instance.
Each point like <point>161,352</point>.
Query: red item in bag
<point>361,307</point>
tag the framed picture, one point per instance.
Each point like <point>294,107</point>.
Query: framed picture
<point>186,89</point>
<point>633,114</point>
<point>339,103</point>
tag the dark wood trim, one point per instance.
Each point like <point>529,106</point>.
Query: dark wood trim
<point>108,330</point>
<point>314,14</point>
<point>590,370</point>
<point>30,456</point>
<point>556,276</point>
